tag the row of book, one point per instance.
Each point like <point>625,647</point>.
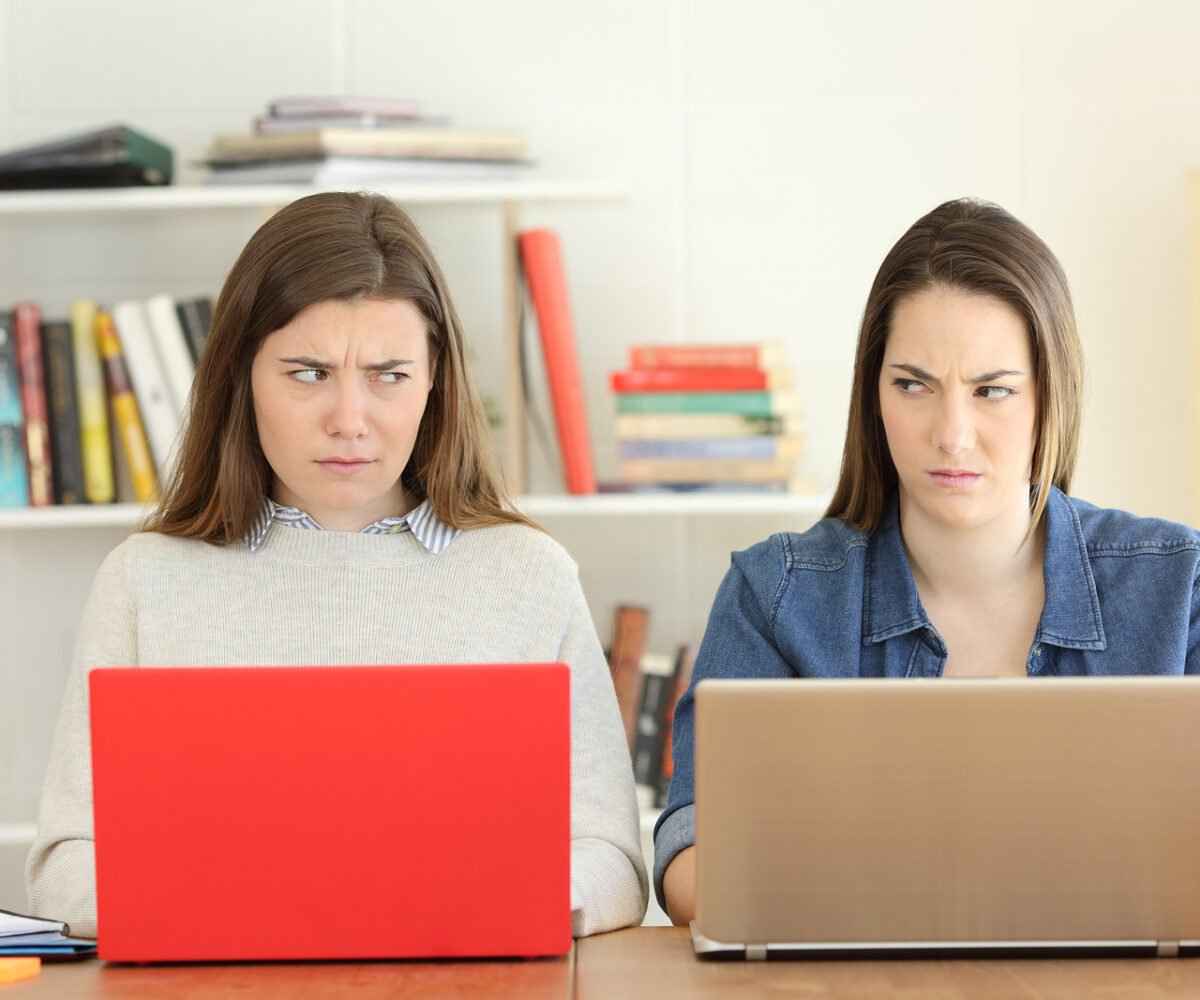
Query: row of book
<point>707,417</point>
<point>91,407</point>
<point>648,686</point>
<point>356,140</point>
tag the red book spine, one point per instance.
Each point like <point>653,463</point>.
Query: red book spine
<point>695,356</point>
<point>689,380</point>
<point>541,254</point>
<point>27,332</point>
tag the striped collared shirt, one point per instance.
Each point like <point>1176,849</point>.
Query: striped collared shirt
<point>421,521</point>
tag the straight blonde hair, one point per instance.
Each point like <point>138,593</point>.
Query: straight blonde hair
<point>336,246</point>
<point>977,247</point>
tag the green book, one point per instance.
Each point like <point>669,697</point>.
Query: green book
<point>749,404</point>
<point>114,156</point>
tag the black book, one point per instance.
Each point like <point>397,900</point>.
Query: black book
<point>195,316</point>
<point>658,682</point>
<point>114,156</point>
<point>62,406</point>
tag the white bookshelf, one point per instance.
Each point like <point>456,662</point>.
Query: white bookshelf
<point>206,196</point>
<point>127,515</point>
<point>506,196</point>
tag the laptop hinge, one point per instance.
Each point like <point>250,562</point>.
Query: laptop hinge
<point>1168,949</point>
<point>756,953</point>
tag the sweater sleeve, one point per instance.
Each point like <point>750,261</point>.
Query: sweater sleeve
<point>608,875</point>
<point>61,870</point>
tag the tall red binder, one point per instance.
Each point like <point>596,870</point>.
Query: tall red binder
<point>541,255</point>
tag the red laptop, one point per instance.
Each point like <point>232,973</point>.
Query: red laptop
<point>253,813</point>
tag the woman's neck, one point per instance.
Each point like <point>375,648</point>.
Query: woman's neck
<point>961,562</point>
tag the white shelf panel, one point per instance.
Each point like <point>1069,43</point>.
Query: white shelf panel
<point>550,505</point>
<point>117,515</point>
<point>674,504</point>
<point>17,833</point>
<point>174,198</point>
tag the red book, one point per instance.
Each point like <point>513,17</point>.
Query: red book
<point>764,354</point>
<point>698,380</point>
<point>683,677</point>
<point>27,333</point>
<point>541,255</point>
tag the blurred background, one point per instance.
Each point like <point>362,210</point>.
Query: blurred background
<point>766,155</point>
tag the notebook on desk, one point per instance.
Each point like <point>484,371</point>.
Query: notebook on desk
<point>331,812</point>
<point>876,818</point>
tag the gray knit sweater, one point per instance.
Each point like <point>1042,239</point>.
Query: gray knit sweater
<point>497,594</point>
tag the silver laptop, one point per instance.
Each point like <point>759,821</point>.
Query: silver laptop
<point>1017,816</point>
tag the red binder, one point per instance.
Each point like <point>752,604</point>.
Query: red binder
<point>541,255</point>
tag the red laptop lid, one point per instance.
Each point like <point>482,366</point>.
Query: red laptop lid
<point>331,812</point>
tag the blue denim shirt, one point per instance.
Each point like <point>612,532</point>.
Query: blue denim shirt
<point>833,602</point>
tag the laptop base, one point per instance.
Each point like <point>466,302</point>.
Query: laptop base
<point>725,951</point>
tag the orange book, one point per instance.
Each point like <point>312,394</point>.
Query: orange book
<point>27,333</point>
<point>764,354</point>
<point>541,255</point>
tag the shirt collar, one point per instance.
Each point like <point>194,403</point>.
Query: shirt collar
<point>1071,613</point>
<point>424,524</point>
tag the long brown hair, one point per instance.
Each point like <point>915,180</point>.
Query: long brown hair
<point>332,246</point>
<point>977,247</point>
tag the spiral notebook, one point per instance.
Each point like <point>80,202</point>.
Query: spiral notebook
<point>22,935</point>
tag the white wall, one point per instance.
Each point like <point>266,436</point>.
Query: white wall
<point>773,151</point>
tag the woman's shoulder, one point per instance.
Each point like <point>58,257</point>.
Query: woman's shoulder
<point>1111,531</point>
<point>516,541</point>
<point>826,546</point>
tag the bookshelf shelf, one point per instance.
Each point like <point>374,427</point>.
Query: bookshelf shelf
<point>200,196</point>
<point>127,515</point>
<point>673,504</point>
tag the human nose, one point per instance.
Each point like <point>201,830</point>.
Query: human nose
<point>347,416</point>
<point>954,428</point>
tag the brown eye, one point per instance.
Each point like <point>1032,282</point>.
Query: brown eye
<point>996,392</point>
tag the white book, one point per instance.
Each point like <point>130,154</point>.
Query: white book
<point>363,170</point>
<point>159,413</point>
<point>173,353</point>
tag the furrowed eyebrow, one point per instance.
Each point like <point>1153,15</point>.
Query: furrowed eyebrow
<point>924,376</point>
<point>380,366</point>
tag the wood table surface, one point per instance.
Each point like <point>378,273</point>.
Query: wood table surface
<point>658,962</point>
<point>538,979</point>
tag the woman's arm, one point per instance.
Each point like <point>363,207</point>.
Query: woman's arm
<point>738,642</point>
<point>679,887</point>
<point>61,870</point>
<point>608,876</point>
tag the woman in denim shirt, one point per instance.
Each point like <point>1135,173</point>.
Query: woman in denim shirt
<point>951,547</point>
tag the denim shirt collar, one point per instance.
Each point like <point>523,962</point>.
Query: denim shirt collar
<point>1071,614</point>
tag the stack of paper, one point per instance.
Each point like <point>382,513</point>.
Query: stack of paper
<point>20,935</point>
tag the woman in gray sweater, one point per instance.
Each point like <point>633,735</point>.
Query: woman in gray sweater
<point>333,396</point>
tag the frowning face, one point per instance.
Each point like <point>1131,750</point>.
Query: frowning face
<point>339,393</point>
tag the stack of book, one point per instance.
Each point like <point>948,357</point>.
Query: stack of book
<point>707,417</point>
<point>353,140</point>
<point>91,407</point>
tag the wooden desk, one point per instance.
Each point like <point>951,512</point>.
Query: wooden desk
<point>657,962</point>
<point>541,979</point>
